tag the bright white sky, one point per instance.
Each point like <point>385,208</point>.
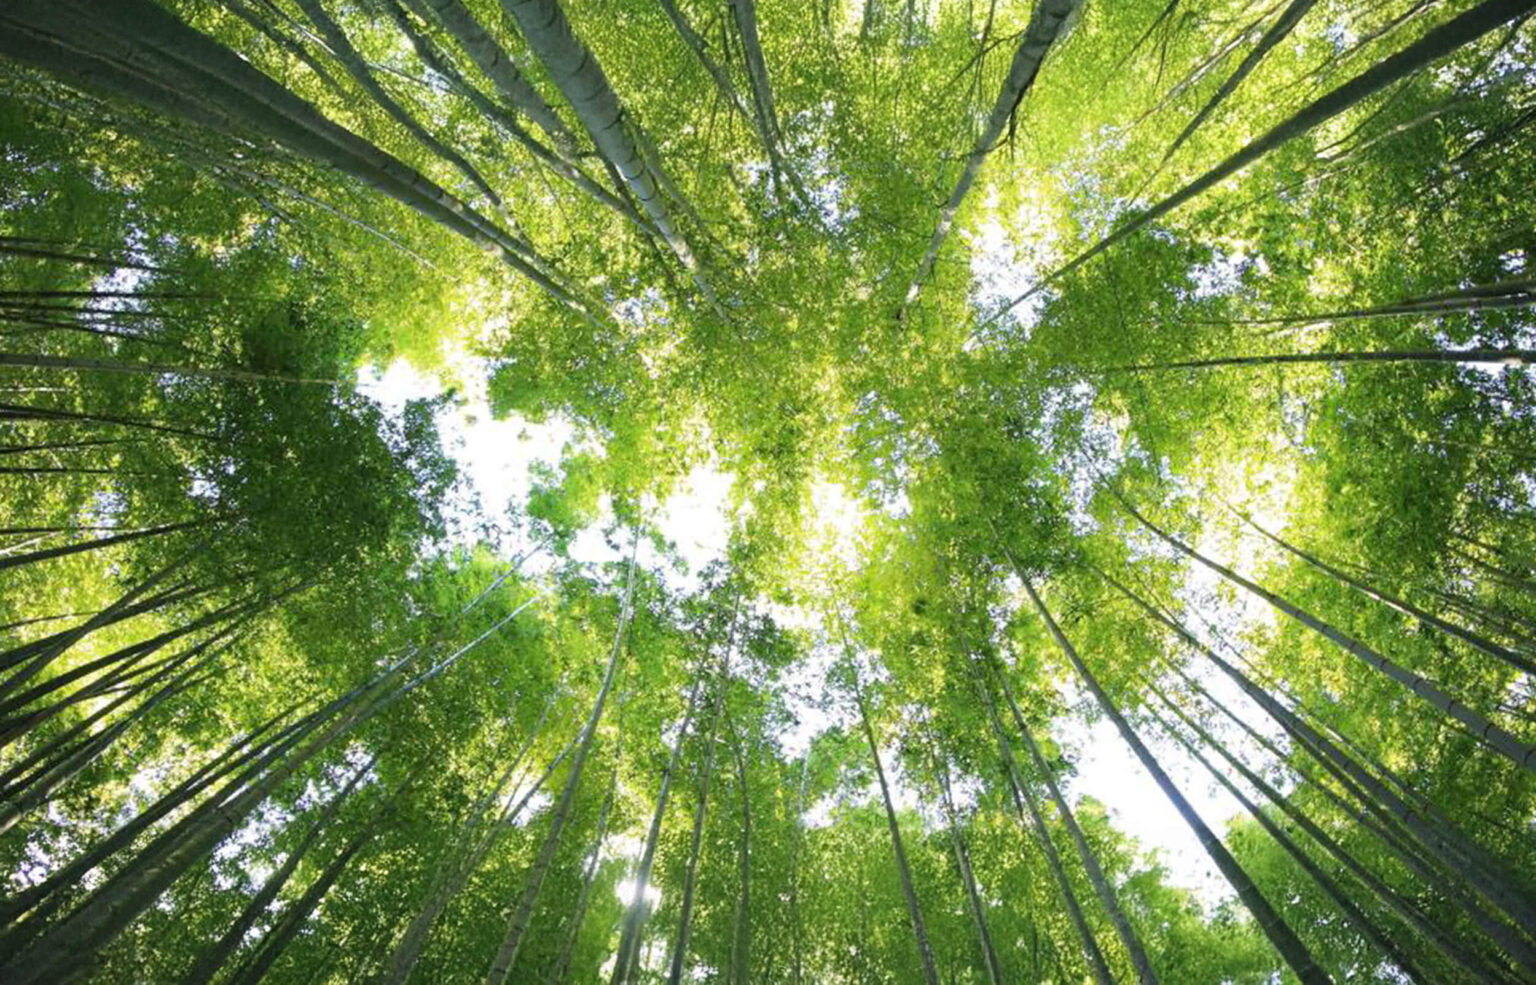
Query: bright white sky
<point>495,458</point>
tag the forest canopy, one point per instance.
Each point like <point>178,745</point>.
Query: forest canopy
<point>857,462</point>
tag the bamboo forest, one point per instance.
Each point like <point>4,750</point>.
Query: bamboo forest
<point>767,492</point>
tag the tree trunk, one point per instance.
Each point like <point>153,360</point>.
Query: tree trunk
<point>1515,293</point>
<point>701,807</point>
<point>1027,807</point>
<point>1496,738</point>
<point>31,557</point>
<point>297,915</point>
<point>1448,861</point>
<point>1274,927</point>
<point>40,653</point>
<point>1519,581</point>
<point>580,78</point>
<point>1330,887</point>
<point>798,968</point>
<point>963,861</point>
<point>1101,887</point>
<point>517,926</point>
<point>37,789</point>
<point>189,76</point>
<point>38,249</point>
<point>35,324</point>
<point>118,611</point>
<point>495,64</point>
<point>63,951</point>
<point>131,661</point>
<point>214,956</point>
<point>336,39</point>
<point>463,858</point>
<point>450,881</point>
<point>1444,862</point>
<point>741,938</point>
<point>744,13</point>
<point>565,166</point>
<point>242,10</point>
<point>24,412</point>
<point>1044,30</point>
<point>589,879</point>
<point>42,759</point>
<point>63,446</point>
<point>1505,357</point>
<point>1443,841</point>
<point>1406,911</point>
<point>126,662</point>
<point>1440,41</point>
<point>919,928</point>
<point>1277,32</point>
<point>716,71</point>
<point>634,914</point>
<point>46,897</point>
<point>1500,618</point>
<point>1406,608</point>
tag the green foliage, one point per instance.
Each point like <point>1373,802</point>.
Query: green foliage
<point>1241,457</point>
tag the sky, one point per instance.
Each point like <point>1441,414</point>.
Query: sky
<point>496,459</point>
